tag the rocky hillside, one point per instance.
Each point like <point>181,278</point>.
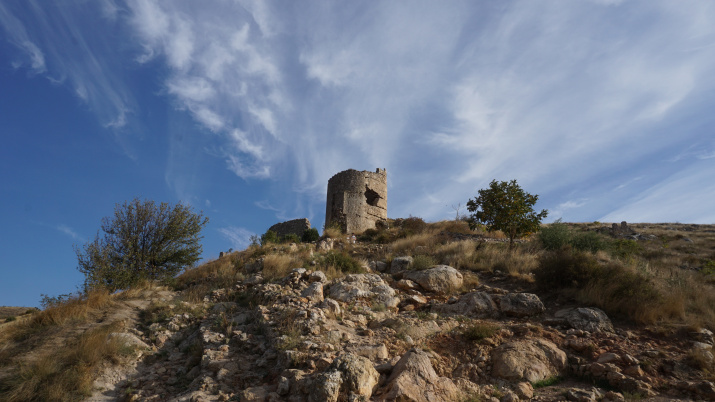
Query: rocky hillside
<point>419,312</point>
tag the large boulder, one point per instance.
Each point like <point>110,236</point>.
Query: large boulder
<point>351,376</point>
<point>439,279</point>
<point>368,287</point>
<point>588,319</point>
<point>521,304</point>
<point>413,379</point>
<point>474,304</point>
<point>528,360</point>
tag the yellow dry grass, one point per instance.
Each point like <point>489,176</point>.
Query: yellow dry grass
<point>277,266</point>
<point>64,373</point>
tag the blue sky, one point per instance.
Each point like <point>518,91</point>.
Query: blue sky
<point>245,109</point>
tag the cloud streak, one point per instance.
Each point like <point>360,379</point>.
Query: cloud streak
<point>240,238</point>
<point>564,97</point>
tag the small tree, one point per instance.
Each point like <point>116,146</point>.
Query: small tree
<point>505,206</point>
<point>141,241</point>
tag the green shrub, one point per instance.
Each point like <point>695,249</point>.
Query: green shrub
<point>624,248</point>
<point>270,237</point>
<point>420,262</point>
<point>559,235</point>
<point>708,267</point>
<point>615,287</point>
<point>588,241</point>
<point>412,226</point>
<point>547,382</point>
<point>290,238</point>
<point>565,269</point>
<point>555,236</point>
<point>343,262</point>
<point>368,235</point>
<point>11,318</point>
<point>310,235</point>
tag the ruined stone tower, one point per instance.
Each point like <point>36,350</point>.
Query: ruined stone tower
<point>356,200</point>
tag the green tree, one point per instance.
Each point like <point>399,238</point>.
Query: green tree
<point>505,206</point>
<point>142,240</point>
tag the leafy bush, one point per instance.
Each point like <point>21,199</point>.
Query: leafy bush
<point>555,236</point>
<point>559,235</point>
<point>310,235</point>
<point>411,226</point>
<point>291,238</point>
<point>343,262</point>
<point>615,287</point>
<point>368,235</point>
<point>625,248</point>
<point>589,241</point>
<point>270,237</point>
<point>142,241</point>
<point>565,269</point>
<point>420,262</point>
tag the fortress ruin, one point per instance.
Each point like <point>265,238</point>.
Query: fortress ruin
<point>357,200</point>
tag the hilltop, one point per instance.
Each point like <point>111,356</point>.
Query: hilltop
<point>412,311</point>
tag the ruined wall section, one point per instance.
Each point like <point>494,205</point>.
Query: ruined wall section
<point>296,226</point>
<point>356,200</point>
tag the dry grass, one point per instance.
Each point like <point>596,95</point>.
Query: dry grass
<point>488,257</point>
<point>75,310</point>
<point>460,227</point>
<point>332,233</point>
<point>409,245</point>
<point>64,373</point>
<point>276,266</point>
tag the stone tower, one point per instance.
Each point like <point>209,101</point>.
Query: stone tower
<point>356,200</point>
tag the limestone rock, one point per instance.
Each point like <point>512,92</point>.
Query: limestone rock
<point>528,360</point>
<point>439,279</point>
<point>584,395</point>
<point>317,276</point>
<point>314,292</point>
<point>588,319</point>
<point>327,387</point>
<point>331,306</point>
<point>474,304</point>
<point>359,376</point>
<point>357,287</point>
<point>521,304</point>
<point>414,379</point>
<point>129,340</point>
<point>349,375</point>
<point>400,264</point>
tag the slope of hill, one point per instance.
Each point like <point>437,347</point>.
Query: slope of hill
<point>423,312</point>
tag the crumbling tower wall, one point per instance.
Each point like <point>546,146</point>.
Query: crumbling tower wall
<point>357,200</point>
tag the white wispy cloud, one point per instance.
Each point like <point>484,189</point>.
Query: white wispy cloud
<point>62,44</point>
<point>239,237</point>
<point>69,232</point>
<point>446,96</point>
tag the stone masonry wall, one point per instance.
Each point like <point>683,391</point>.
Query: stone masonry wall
<point>356,200</point>
<point>296,226</point>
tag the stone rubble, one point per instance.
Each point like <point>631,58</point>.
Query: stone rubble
<point>400,337</point>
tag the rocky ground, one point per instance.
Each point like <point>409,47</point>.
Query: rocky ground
<point>399,334</point>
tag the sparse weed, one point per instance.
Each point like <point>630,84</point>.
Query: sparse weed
<point>479,331</point>
<point>420,262</point>
<point>547,382</point>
